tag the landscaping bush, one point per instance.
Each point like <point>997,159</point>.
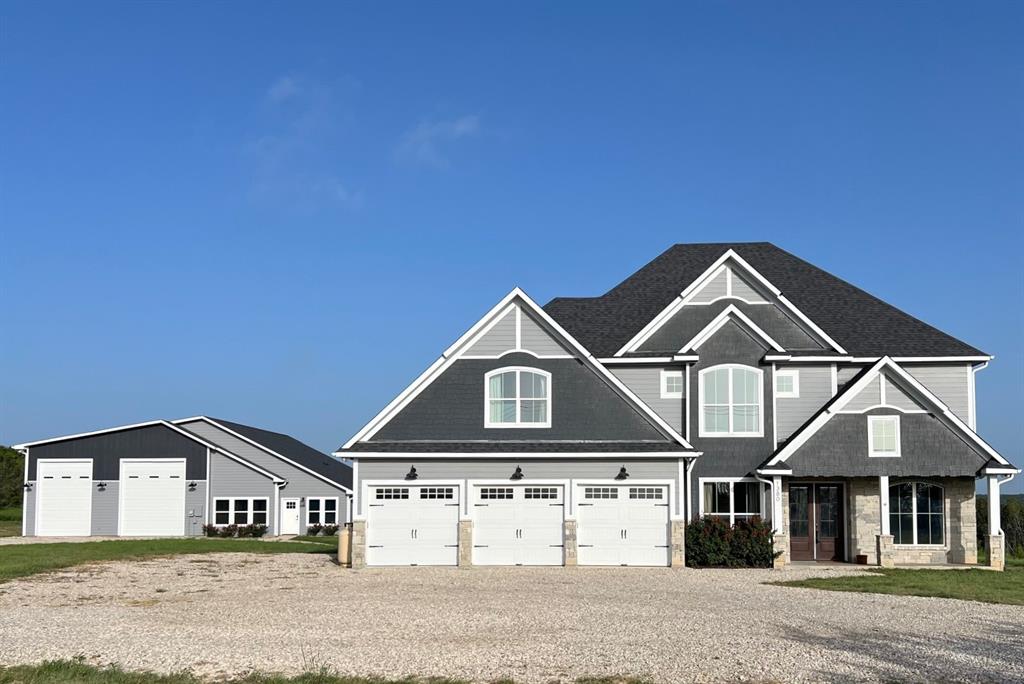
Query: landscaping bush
<point>330,530</point>
<point>252,531</point>
<point>314,529</point>
<point>712,543</point>
<point>211,530</point>
<point>228,531</point>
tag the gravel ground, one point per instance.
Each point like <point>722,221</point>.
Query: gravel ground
<point>229,613</point>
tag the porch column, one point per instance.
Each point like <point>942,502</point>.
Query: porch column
<point>780,538</point>
<point>996,549</point>
<point>884,541</point>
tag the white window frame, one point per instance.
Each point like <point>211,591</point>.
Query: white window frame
<point>732,497</point>
<point>322,499</point>
<point>871,437</point>
<point>488,423</point>
<point>665,392</point>
<point>793,393</point>
<point>760,401</point>
<point>231,510</point>
<point>913,511</point>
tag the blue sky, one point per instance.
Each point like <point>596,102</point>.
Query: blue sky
<point>280,214</point>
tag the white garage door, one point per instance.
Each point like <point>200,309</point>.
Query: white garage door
<point>622,525</point>
<point>152,498</point>
<point>64,498</point>
<point>412,525</point>
<point>518,525</point>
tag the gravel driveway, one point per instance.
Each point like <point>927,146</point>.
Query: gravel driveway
<point>227,613</point>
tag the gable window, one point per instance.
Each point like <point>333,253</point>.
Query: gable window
<point>671,384</point>
<point>787,384</point>
<point>917,514</point>
<point>732,500</point>
<point>321,511</point>
<point>730,402</point>
<point>518,397</point>
<point>240,511</point>
<point>883,436</point>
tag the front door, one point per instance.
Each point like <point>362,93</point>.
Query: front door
<point>815,522</point>
<point>289,516</point>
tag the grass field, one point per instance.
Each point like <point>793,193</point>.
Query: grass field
<point>969,585</point>
<point>10,522</point>
<point>22,560</point>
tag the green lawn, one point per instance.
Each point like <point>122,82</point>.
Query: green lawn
<point>21,560</point>
<point>970,585</point>
<point>10,522</point>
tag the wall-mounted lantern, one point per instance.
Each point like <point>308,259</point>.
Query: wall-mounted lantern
<point>412,474</point>
<point>102,486</point>
<point>622,474</point>
<point>192,486</point>
<point>27,486</point>
<point>518,474</point>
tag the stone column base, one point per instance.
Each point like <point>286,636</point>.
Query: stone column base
<point>345,546</point>
<point>569,543</point>
<point>780,542</point>
<point>678,543</point>
<point>358,545</point>
<point>465,543</point>
<point>886,554</point>
<point>996,551</point>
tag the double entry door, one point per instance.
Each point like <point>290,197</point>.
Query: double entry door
<point>816,521</point>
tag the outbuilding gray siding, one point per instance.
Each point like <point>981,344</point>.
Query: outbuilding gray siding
<point>645,382</point>
<point>229,478</point>
<point>104,509</point>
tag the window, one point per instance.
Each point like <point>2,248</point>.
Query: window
<point>917,513</point>
<point>730,401</point>
<point>671,384</point>
<point>240,511</point>
<point>883,436</point>
<point>496,493</point>
<point>787,384</point>
<point>321,511</point>
<point>732,500</point>
<point>646,492</point>
<point>541,493</point>
<point>386,493</point>
<point>437,492</point>
<point>600,492</point>
<point>518,397</point>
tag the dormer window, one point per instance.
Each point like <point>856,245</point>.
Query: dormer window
<point>518,398</point>
<point>731,399</point>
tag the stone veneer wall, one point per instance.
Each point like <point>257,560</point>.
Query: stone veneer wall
<point>961,523</point>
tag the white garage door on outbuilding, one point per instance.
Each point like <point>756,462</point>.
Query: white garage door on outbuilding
<point>64,498</point>
<point>152,498</point>
<point>623,525</point>
<point>412,525</point>
<point>518,525</point>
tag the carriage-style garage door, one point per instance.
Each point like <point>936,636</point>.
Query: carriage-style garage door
<point>412,525</point>
<point>152,498</point>
<point>623,525</point>
<point>64,507</point>
<point>518,525</point>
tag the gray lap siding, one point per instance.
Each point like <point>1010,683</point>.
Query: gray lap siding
<point>534,469</point>
<point>231,479</point>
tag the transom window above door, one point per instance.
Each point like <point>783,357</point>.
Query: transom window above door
<point>517,397</point>
<point>731,400</point>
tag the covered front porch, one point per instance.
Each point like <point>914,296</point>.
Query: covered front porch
<point>883,521</point>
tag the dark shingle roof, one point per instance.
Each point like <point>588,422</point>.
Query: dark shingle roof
<point>863,324</point>
<point>293,449</point>
<point>517,447</point>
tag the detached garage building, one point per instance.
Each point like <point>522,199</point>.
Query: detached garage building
<point>169,478</point>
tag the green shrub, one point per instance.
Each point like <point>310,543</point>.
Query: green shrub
<point>314,529</point>
<point>712,543</point>
<point>330,530</point>
<point>211,530</point>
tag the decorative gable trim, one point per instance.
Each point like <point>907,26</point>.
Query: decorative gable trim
<point>729,314</point>
<point>684,297</point>
<point>458,348</point>
<point>919,392</point>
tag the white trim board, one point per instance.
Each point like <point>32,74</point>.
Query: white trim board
<point>565,455</point>
<point>683,299</point>
<point>454,352</point>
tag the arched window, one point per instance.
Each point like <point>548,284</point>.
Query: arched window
<point>731,400</point>
<point>917,513</point>
<point>517,397</point>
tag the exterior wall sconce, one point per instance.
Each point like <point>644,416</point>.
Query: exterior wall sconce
<point>192,486</point>
<point>102,486</point>
<point>518,475</point>
<point>622,474</point>
<point>27,486</point>
<point>412,474</point>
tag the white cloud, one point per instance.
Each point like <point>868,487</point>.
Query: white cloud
<point>283,89</point>
<point>425,143</point>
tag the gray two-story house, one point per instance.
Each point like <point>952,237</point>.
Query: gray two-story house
<point>730,380</point>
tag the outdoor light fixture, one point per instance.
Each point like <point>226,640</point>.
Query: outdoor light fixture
<point>411,475</point>
<point>622,474</point>
<point>102,486</point>
<point>27,486</point>
<point>518,475</point>
<point>192,486</point>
